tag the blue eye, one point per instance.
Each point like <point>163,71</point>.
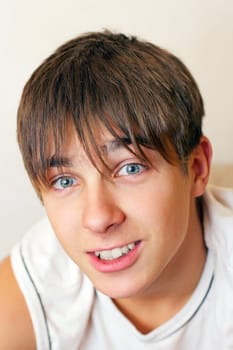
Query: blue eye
<point>63,182</point>
<point>131,169</point>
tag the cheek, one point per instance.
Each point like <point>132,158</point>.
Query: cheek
<point>167,209</point>
<point>64,220</point>
<point>177,221</point>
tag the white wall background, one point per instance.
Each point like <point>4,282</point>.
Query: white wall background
<point>199,31</point>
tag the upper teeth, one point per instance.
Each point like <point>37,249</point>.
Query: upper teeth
<point>114,253</point>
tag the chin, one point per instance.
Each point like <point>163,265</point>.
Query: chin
<point>120,289</point>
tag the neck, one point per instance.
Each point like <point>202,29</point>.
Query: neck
<point>173,288</point>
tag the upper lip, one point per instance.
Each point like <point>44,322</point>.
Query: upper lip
<point>111,247</point>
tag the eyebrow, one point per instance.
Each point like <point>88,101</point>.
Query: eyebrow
<point>109,147</point>
<point>115,144</point>
<point>57,162</point>
<point>120,142</point>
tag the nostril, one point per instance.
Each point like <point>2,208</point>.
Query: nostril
<point>103,218</point>
<point>101,212</point>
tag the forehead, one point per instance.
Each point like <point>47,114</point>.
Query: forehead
<point>105,146</point>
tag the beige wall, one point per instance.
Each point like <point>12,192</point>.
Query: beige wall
<point>199,31</point>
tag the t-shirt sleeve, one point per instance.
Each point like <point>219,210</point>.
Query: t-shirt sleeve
<point>59,297</point>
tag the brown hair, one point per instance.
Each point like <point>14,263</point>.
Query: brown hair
<point>130,86</point>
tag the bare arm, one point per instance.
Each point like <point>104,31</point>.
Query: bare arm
<point>16,330</point>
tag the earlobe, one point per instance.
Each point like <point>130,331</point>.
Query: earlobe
<point>200,166</point>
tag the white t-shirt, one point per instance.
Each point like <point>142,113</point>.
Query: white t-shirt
<point>69,314</point>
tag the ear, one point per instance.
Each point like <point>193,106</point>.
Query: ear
<point>200,161</point>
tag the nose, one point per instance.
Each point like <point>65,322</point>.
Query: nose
<point>101,211</point>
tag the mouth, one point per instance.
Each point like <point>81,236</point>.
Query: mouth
<point>115,253</point>
<point>115,259</point>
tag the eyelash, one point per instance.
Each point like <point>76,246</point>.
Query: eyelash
<point>55,183</point>
<point>139,169</point>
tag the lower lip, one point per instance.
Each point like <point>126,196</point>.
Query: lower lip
<point>118,264</point>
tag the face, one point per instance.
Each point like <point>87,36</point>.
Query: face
<point>124,230</point>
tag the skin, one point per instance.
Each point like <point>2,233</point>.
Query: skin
<point>16,330</point>
<point>154,205</point>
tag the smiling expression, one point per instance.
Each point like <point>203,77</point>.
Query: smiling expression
<point>127,230</point>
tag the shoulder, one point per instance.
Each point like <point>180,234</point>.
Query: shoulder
<point>218,223</point>
<point>43,260</point>
<point>218,216</point>
<point>218,227</point>
<point>53,286</point>
<point>222,196</point>
<point>16,330</point>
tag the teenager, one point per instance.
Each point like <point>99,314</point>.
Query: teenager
<point>135,253</point>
